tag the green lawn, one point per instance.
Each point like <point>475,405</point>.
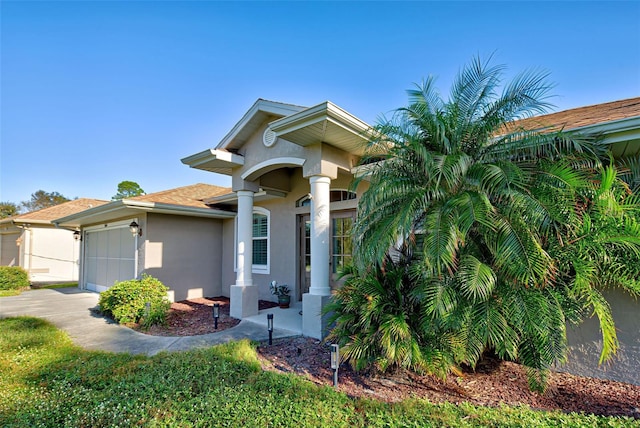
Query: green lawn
<point>47,381</point>
<point>12,292</point>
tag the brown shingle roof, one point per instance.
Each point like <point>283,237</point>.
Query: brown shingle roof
<point>190,196</point>
<point>583,116</point>
<point>46,215</point>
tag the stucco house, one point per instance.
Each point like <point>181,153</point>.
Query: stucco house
<point>46,252</point>
<point>619,124</point>
<point>291,169</point>
<point>172,235</point>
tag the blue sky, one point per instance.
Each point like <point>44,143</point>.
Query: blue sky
<point>94,93</point>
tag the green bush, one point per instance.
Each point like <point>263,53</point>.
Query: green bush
<point>127,301</point>
<point>13,278</point>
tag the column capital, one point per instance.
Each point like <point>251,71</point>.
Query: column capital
<point>319,179</point>
<point>245,193</point>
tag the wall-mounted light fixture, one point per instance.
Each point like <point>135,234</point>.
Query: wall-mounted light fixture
<point>135,229</point>
<point>77,236</point>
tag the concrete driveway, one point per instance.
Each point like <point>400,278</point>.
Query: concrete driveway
<point>70,310</point>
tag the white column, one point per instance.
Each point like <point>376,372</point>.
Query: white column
<point>320,223</point>
<point>244,245</point>
<point>243,295</point>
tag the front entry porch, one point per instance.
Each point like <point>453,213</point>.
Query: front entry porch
<point>283,319</point>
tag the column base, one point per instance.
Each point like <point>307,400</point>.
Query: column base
<point>314,323</point>
<point>243,301</point>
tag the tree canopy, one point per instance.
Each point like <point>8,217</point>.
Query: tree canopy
<point>41,199</point>
<point>127,189</point>
<point>8,209</point>
<point>485,219</point>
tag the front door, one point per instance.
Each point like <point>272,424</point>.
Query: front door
<point>341,247</point>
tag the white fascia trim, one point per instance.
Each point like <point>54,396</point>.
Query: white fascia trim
<point>231,159</point>
<point>102,209</point>
<point>280,109</point>
<point>113,225</point>
<point>232,198</point>
<point>275,163</point>
<point>124,204</point>
<point>162,208</point>
<point>324,111</point>
<point>620,125</point>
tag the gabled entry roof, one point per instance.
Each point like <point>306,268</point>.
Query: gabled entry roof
<point>324,123</point>
<point>305,126</point>
<point>187,201</point>
<point>261,111</point>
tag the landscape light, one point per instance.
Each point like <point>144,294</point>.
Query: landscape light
<point>270,327</point>
<point>335,362</point>
<point>216,314</point>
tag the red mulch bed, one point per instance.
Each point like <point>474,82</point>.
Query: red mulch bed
<point>493,383</point>
<point>195,316</point>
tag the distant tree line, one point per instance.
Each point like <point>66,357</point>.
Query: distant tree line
<point>42,199</point>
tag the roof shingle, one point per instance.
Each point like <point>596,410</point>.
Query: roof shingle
<point>46,215</point>
<point>583,116</point>
<point>190,196</point>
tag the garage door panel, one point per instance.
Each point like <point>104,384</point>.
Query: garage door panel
<point>109,257</point>
<point>126,248</point>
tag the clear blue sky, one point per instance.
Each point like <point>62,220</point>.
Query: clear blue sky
<point>94,93</point>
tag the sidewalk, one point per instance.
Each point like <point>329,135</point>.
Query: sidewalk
<point>69,310</point>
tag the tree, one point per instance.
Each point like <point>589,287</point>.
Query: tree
<point>42,199</point>
<point>127,189</point>
<point>475,203</point>
<point>8,209</point>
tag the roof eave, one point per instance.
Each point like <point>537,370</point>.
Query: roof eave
<point>265,106</point>
<point>214,160</point>
<point>331,114</point>
<point>127,207</point>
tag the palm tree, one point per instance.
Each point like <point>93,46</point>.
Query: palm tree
<point>479,200</point>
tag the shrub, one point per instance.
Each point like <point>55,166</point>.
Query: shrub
<point>126,301</point>
<point>13,278</point>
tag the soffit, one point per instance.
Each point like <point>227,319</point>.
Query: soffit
<point>218,161</point>
<point>324,123</point>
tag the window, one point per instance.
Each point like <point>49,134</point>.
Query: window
<point>334,196</point>
<point>260,240</point>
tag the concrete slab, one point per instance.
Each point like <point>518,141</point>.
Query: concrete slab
<point>70,309</point>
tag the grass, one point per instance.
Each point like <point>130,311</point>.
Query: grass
<point>17,292</point>
<point>56,285</point>
<point>46,381</point>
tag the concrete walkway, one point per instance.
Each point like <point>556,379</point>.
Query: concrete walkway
<point>70,310</point>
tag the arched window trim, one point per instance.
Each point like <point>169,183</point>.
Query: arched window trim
<point>306,200</point>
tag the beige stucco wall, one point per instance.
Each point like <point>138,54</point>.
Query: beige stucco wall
<point>53,256</point>
<point>185,253</point>
<point>48,254</point>
<point>585,343</point>
<point>228,257</point>
<point>9,249</point>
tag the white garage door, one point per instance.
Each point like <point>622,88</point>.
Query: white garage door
<point>109,257</point>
